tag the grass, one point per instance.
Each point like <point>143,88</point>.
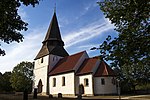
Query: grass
<point>40,97</point>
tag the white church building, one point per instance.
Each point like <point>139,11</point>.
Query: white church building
<point>56,71</point>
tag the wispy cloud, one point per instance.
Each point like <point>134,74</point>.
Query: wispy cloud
<point>86,9</point>
<point>87,32</point>
<point>23,14</point>
<point>87,47</point>
<point>25,51</point>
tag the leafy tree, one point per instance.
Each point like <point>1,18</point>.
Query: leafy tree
<point>11,23</point>
<point>5,85</point>
<point>6,82</point>
<point>1,82</point>
<point>22,76</point>
<point>130,50</point>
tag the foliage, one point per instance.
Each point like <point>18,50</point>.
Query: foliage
<point>1,82</point>
<point>130,50</point>
<point>5,85</point>
<point>6,82</point>
<point>11,23</point>
<point>22,76</point>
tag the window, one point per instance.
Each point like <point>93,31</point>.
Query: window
<point>63,81</point>
<point>86,82</point>
<point>54,82</point>
<point>55,58</point>
<point>41,60</point>
<point>103,81</point>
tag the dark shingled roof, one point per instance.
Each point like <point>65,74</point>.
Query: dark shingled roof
<point>52,43</point>
<point>53,32</point>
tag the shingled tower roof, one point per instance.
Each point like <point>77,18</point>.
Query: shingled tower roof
<point>52,43</point>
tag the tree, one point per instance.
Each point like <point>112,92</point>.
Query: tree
<point>11,23</point>
<point>1,82</point>
<point>6,82</point>
<point>130,50</point>
<point>5,85</point>
<point>22,76</point>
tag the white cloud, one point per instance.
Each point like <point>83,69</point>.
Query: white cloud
<point>86,8</point>
<point>87,32</point>
<point>87,47</point>
<point>23,14</point>
<point>25,51</point>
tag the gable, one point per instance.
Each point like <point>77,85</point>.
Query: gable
<point>87,66</point>
<point>66,64</point>
<point>104,70</point>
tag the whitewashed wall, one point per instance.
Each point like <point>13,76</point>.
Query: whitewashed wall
<point>69,87</point>
<point>53,61</point>
<point>87,89</point>
<point>95,66</point>
<point>108,88</point>
<point>40,72</point>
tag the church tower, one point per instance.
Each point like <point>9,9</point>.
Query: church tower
<point>51,51</point>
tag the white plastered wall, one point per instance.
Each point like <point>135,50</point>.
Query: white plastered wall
<point>53,61</point>
<point>69,87</point>
<point>108,88</point>
<point>40,72</point>
<point>88,90</point>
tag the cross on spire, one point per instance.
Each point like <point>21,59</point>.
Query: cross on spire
<point>55,8</point>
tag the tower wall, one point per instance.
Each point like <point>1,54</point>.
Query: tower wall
<point>53,61</point>
<point>40,72</point>
<point>47,57</point>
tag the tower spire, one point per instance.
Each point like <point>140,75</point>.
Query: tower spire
<point>53,43</point>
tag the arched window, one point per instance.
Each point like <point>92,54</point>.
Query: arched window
<point>103,81</point>
<point>63,81</point>
<point>55,58</point>
<point>86,82</point>
<point>54,82</point>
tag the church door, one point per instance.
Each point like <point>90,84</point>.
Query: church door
<point>40,86</point>
<point>81,89</point>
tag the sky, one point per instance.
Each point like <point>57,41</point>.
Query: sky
<point>82,25</point>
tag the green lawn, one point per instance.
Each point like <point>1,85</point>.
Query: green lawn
<point>40,97</point>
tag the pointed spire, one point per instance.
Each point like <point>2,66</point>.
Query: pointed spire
<point>53,33</point>
<point>53,43</point>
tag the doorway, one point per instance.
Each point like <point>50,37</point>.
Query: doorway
<point>81,89</point>
<point>40,86</point>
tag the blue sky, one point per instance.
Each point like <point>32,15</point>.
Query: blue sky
<point>81,23</point>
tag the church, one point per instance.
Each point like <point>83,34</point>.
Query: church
<point>55,71</point>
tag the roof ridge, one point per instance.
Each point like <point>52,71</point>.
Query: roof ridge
<point>104,70</point>
<point>78,53</point>
<point>67,63</point>
<point>105,67</point>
